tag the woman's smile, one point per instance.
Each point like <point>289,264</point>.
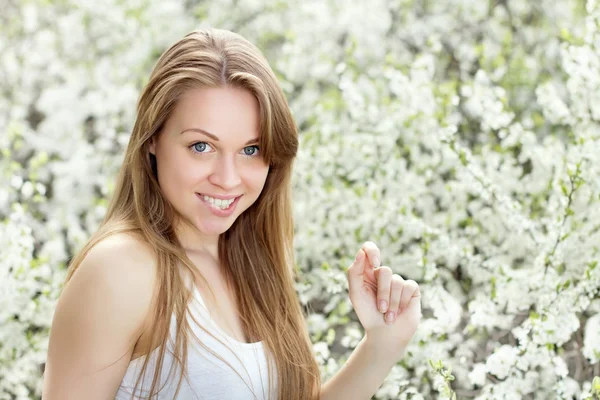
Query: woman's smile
<point>219,207</point>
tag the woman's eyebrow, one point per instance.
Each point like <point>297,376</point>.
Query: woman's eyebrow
<point>214,137</point>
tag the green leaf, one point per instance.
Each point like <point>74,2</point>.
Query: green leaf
<point>330,336</point>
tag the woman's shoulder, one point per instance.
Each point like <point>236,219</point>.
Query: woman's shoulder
<point>119,271</point>
<point>100,315</point>
<point>117,248</point>
<point>121,257</point>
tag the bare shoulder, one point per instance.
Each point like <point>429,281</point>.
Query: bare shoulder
<point>99,317</point>
<point>121,271</point>
<point>123,266</point>
<point>121,257</point>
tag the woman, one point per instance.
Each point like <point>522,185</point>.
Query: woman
<point>186,291</point>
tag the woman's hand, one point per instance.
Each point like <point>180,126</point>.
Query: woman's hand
<point>388,307</point>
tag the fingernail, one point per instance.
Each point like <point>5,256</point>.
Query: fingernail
<point>359,255</point>
<point>390,317</point>
<point>383,306</point>
<point>376,262</point>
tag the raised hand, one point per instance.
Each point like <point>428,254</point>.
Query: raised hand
<point>388,307</point>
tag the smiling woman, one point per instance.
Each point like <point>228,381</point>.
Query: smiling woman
<point>187,289</point>
<point>210,178</point>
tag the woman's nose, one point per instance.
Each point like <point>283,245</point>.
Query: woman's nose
<point>225,173</point>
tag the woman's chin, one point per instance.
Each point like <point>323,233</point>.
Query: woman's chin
<point>213,229</point>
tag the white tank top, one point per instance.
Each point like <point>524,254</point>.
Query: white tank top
<point>209,378</point>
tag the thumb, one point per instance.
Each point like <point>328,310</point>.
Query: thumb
<point>356,270</point>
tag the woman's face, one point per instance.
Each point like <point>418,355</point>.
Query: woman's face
<point>208,161</point>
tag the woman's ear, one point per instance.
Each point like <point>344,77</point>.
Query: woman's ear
<point>152,146</point>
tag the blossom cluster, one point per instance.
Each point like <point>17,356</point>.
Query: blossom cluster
<point>462,137</point>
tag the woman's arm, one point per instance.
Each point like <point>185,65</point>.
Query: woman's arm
<point>363,373</point>
<point>389,309</point>
<point>98,319</point>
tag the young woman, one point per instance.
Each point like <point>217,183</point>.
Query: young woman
<point>186,291</point>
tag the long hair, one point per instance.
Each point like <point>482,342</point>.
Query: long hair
<point>257,251</point>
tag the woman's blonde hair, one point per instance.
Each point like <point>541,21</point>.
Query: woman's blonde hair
<point>257,251</point>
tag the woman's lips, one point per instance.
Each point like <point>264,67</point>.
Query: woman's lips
<point>215,210</point>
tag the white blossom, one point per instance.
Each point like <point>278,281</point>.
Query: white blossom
<point>501,361</point>
<point>591,339</point>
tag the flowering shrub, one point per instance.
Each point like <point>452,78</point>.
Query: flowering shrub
<point>463,137</point>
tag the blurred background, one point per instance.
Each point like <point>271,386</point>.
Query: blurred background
<point>460,136</point>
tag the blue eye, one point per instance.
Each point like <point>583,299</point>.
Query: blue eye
<point>253,153</point>
<point>199,147</point>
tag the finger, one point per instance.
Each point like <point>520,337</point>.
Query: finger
<point>410,290</point>
<point>415,304</point>
<point>356,271</point>
<point>373,253</point>
<point>395,296</point>
<point>383,275</point>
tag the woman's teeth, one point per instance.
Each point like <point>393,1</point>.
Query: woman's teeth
<point>218,203</point>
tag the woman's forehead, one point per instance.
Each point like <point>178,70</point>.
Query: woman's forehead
<point>223,114</point>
